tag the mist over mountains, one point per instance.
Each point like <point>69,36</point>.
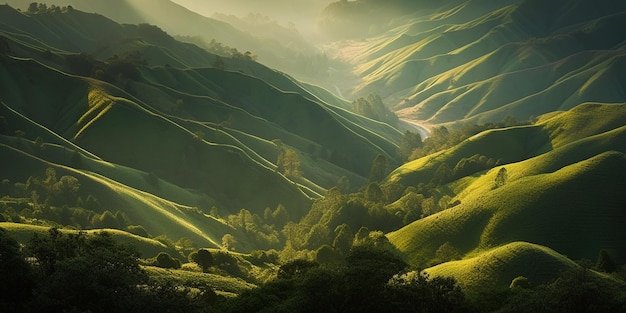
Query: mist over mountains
<point>478,140</point>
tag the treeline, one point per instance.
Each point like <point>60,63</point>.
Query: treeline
<point>441,137</point>
<point>373,107</point>
<point>58,272</point>
<point>51,201</point>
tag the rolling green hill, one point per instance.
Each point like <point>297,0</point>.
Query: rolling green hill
<point>149,124</point>
<point>171,147</point>
<point>562,191</point>
<point>481,61</point>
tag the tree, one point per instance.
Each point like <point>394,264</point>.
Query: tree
<point>442,175</point>
<point>605,263</point>
<point>33,8</point>
<point>409,142</point>
<point>84,273</point>
<point>17,277</point>
<point>379,169</point>
<point>416,292</point>
<point>164,260</point>
<point>373,193</point>
<point>219,63</point>
<point>343,185</point>
<point>295,268</point>
<point>343,239</point>
<point>203,258</point>
<point>229,242</point>
<point>289,161</point>
<point>326,254</point>
<point>501,178</point>
<point>318,235</point>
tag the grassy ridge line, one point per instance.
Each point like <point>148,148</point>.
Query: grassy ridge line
<point>529,208</point>
<point>602,84</point>
<point>165,144</point>
<point>157,215</point>
<point>33,128</point>
<point>101,94</point>
<point>496,268</point>
<point>514,144</point>
<point>275,112</point>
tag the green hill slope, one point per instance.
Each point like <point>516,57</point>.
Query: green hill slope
<point>482,61</point>
<point>529,208</point>
<point>151,124</point>
<point>498,267</point>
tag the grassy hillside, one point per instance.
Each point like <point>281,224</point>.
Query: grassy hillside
<point>491,217</point>
<point>496,268</point>
<point>481,61</point>
<point>519,143</point>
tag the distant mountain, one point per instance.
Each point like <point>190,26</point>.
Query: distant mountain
<point>150,124</point>
<point>180,21</point>
<point>479,61</point>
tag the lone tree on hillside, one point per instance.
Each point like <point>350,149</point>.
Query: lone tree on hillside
<point>501,178</point>
<point>203,258</point>
<point>289,163</point>
<point>605,263</point>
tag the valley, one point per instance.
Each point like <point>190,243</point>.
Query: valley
<point>470,150</point>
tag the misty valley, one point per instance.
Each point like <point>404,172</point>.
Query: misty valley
<point>313,156</point>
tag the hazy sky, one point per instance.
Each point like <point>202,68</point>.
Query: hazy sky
<point>300,12</point>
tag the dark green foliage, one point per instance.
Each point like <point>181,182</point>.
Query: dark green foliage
<point>203,258</point>
<point>326,254</point>
<point>295,268</point>
<point>471,165</point>
<point>605,262</point>
<point>373,193</point>
<point>416,292</point>
<point>410,141</point>
<point>85,273</point>
<point>374,108</point>
<point>343,239</point>
<point>380,169</point>
<point>360,284</point>
<point>576,291</point>
<point>442,138</point>
<point>501,178</point>
<point>164,260</point>
<point>17,277</point>
<point>226,262</point>
<point>443,175</point>
<point>81,64</point>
